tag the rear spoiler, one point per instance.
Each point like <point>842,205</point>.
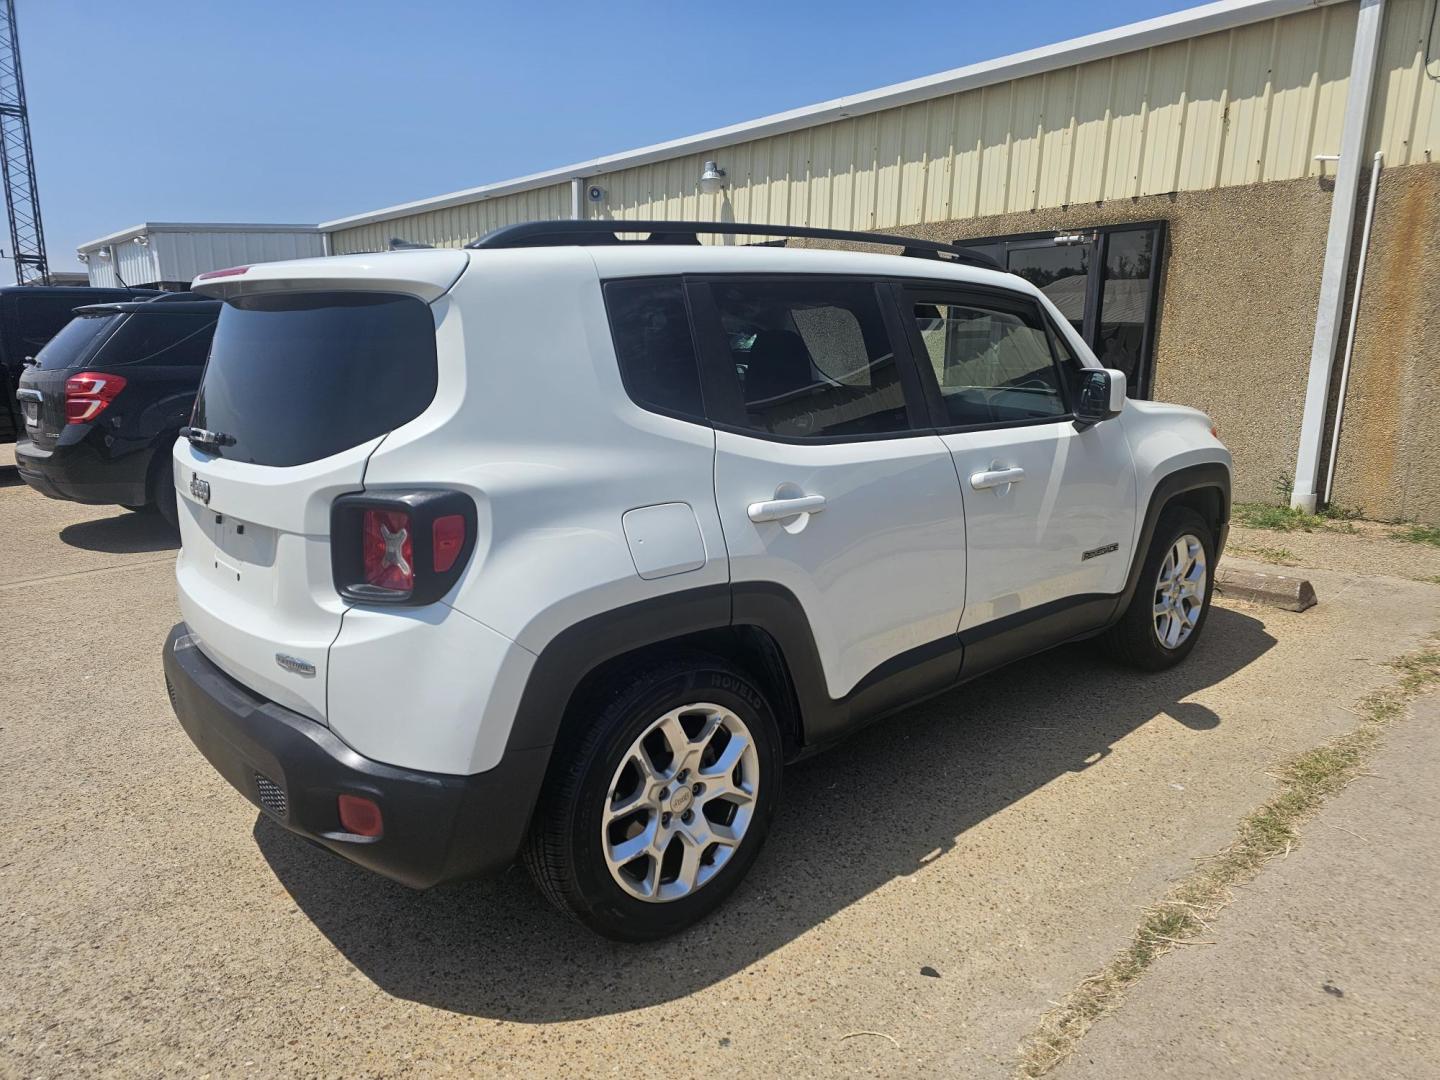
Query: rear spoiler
<point>428,275</point>
<point>192,305</point>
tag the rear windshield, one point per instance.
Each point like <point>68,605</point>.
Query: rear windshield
<point>76,341</point>
<point>295,377</point>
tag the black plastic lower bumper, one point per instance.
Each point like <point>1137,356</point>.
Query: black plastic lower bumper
<point>77,473</point>
<point>437,827</point>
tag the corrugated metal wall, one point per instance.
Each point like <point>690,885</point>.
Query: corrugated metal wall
<point>178,255</point>
<point>137,266</point>
<point>182,255</point>
<point>1252,104</point>
<point>456,226</point>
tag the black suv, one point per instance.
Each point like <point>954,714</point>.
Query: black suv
<point>30,315</point>
<point>106,399</point>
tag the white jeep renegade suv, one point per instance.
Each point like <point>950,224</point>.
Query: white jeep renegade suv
<point>560,547</point>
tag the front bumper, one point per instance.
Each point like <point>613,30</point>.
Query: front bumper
<point>437,827</point>
<point>77,472</point>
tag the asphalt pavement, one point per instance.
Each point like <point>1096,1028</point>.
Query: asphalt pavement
<point>928,890</point>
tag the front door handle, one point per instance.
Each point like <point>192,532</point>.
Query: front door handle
<point>996,478</point>
<point>780,509</point>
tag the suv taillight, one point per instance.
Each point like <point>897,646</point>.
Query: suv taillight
<point>89,394</point>
<point>389,550</point>
<point>406,547</point>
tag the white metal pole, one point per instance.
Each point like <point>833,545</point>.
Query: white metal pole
<point>1354,318</point>
<point>1337,252</point>
<point>575,196</point>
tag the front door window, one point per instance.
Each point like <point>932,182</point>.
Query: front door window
<point>1105,282</point>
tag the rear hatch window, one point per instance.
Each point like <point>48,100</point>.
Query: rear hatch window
<point>296,377</point>
<point>76,342</point>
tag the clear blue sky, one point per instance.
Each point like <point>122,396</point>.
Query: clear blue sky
<point>302,111</point>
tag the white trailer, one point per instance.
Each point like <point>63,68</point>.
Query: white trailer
<point>171,253</point>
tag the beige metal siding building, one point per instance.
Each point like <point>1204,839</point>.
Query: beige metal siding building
<point>1221,122</point>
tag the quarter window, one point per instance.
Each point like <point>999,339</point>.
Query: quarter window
<point>993,363</point>
<point>812,359</point>
<point>653,343</point>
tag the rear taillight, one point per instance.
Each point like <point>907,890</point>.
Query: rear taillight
<point>389,551</point>
<point>89,394</point>
<point>402,547</point>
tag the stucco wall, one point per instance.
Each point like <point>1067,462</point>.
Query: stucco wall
<point>1237,315</point>
<point>1389,460</point>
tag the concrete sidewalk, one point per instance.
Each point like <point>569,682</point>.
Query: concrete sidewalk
<point>1328,965</point>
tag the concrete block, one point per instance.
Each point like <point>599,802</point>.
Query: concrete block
<point>1277,590</point>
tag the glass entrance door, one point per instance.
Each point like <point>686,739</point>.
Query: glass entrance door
<point>1105,282</point>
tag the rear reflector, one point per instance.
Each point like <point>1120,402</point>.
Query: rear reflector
<point>89,394</point>
<point>360,815</point>
<point>229,271</point>
<point>389,550</point>
<point>448,534</point>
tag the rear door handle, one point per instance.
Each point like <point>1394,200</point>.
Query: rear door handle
<point>780,509</point>
<point>26,394</point>
<point>996,478</point>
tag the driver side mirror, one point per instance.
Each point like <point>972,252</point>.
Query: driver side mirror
<point>1102,395</point>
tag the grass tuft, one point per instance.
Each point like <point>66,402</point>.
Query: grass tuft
<point>1280,555</point>
<point>1275,518</point>
<point>1339,519</point>
<point>1270,831</point>
<point>1421,534</point>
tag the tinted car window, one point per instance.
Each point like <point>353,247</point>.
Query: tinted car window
<point>76,342</point>
<point>295,377</point>
<point>993,364</point>
<point>813,358</point>
<point>159,339</point>
<point>654,346</point>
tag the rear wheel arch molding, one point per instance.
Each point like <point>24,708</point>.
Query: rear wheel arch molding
<point>1204,487</point>
<point>760,627</point>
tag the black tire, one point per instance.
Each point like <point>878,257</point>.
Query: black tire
<point>564,852</point>
<point>1133,640</point>
<point>161,488</point>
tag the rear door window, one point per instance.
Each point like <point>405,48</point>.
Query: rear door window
<point>295,377</point>
<point>812,358</point>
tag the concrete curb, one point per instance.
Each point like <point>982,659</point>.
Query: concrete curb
<point>1277,590</point>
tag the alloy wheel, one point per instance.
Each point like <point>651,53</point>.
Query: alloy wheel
<point>1180,591</point>
<point>680,802</point>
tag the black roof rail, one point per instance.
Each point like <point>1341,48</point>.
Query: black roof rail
<point>594,233</point>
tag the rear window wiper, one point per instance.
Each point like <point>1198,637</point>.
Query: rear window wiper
<point>205,439</point>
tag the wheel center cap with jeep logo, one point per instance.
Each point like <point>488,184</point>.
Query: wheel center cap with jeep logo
<point>681,800</point>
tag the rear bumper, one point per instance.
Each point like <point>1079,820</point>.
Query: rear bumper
<point>78,473</point>
<point>437,827</point>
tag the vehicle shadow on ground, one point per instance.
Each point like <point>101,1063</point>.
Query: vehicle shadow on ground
<point>496,949</point>
<point>10,476</point>
<point>123,534</point>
